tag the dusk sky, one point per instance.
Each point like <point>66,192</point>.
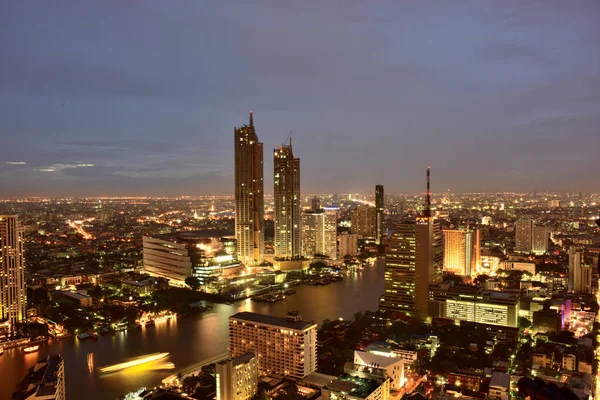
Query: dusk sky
<point>123,97</point>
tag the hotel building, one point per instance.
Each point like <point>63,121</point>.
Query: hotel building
<point>319,232</point>
<point>283,346</point>
<point>461,252</point>
<point>363,221</point>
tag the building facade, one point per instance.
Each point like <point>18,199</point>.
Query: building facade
<point>287,202</point>
<point>45,381</point>
<point>379,208</point>
<point>237,379</point>
<point>348,245</point>
<point>319,232</point>
<point>363,221</point>
<point>530,238</point>
<point>13,290</point>
<point>461,252</point>
<point>249,195</point>
<point>283,346</point>
<point>580,272</point>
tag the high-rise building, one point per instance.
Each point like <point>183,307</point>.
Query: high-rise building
<point>45,380</point>
<point>237,379</point>
<point>287,202</point>
<point>379,207</point>
<point>348,245</point>
<point>283,346</point>
<point>315,203</point>
<point>413,261</point>
<point>461,251</point>
<point>530,238</point>
<point>319,232</point>
<point>580,272</point>
<point>13,291</point>
<point>363,221</point>
<point>249,195</point>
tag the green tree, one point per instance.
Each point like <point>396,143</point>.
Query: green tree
<point>192,282</point>
<point>524,323</point>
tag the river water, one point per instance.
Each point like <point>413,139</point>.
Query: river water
<point>188,340</point>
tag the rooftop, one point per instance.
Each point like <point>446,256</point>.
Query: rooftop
<point>191,236</point>
<point>354,385</point>
<point>271,320</point>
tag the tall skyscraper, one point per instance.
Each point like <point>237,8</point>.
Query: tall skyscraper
<point>249,195</point>
<point>379,207</point>
<point>461,251</point>
<point>413,262</point>
<point>580,272</point>
<point>319,232</point>
<point>287,202</point>
<point>530,238</point>
<point>13,291</point>
<point>363,221</point>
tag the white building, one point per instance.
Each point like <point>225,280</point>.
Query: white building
<point>13,291</point>
<point>499,386</point>
<point>580,273</point>
<point>355,387</point>
<point>569,362</point>
<point>319,232</point>
<point>391,368</point>
<point>518,266</point>
<point>237,379</point>
<point>283,346</point>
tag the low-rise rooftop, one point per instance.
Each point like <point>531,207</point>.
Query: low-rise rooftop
<point>271,320</point>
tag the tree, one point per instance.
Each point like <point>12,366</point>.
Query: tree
<point>524,323</point>
<point>192,282</point>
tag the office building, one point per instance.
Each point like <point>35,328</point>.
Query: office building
<point>319,232</point>
<point>355,386</point>
<point>348,244</point>
<point>363,221</point>
<point>237,378</point>
<point>379,207</point>
<point>44,381</point>
<point>283,346</point>
<point>413,262</point>
<point>580,272</point>
<point>287,202</point>
<point>518,266</point>
<point>207,255</point>
<point>249,195</point>
<point>461,252</point>
<point>13,290</point>
<point>530,238</point>
<point>473,304</point>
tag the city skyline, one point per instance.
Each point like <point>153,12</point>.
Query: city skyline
<point>91,108</point>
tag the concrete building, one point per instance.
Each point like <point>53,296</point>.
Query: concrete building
<point>518,266</point>
<point>283,346</point>
<point>473,304</point>
<point>141,288</point>
<point>580,272</point>
<point>237,378</point>
<point>44,381</point>
<point>81,300</point>
<point>379,208</point>
<point>547,321</point>
<point>13,290</point>
<point>348,245</point>
<point>381,366</point>
<point>413,262</point>
<point>319,232</point>
<point>356,387</point>
<point>499,386</point>
<point>530,238</point>
<point>462,254</point>
<point>287,202</point>
<point>249,195</point>
<point>363,221</point>
<point>569,362</point>
<point>205,254</point>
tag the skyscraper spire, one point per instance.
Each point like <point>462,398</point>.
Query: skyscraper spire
<point>251,120</point>
<point>427,212</point>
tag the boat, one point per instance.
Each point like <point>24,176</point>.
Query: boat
<point>150,322</point>
<point>134,362</point>
<point>83,336</point>
<point>90,361</point>
<point>31,349</point>
<point>92,334</point>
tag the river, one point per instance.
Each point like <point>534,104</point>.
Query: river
<point>188,340</point>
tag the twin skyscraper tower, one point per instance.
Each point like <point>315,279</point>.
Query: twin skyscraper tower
<point>249,198</point>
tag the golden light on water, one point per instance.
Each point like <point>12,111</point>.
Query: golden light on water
<point>134,363</point>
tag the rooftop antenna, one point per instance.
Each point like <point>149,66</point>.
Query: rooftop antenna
<point>427,212</point>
